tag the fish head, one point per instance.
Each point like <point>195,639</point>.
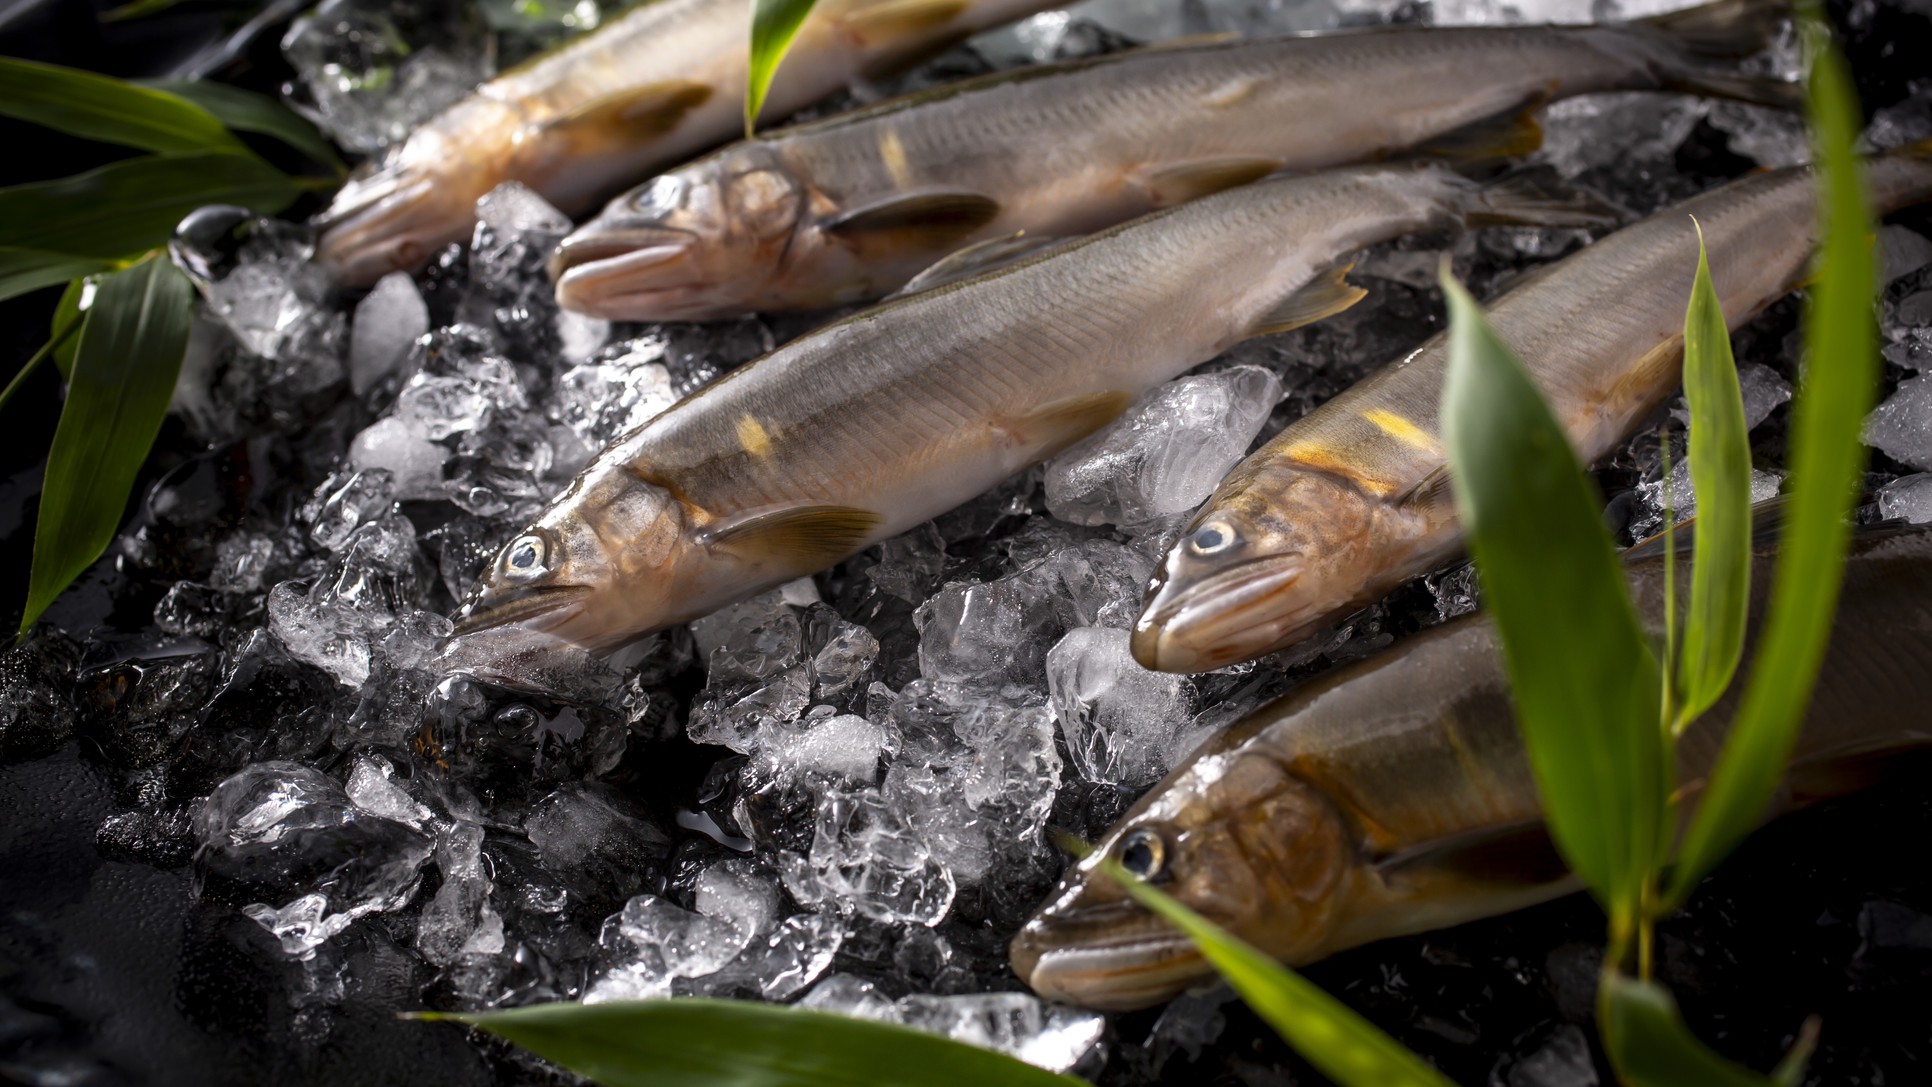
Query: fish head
<point>698,243</point>
<point>1275,552</point>
<point>599,568</point>
<point>390,220</point>
<point>1232,835</point>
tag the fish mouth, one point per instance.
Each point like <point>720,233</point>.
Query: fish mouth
<point>520,609</point>
<point>1236,615</point>
<point>383,223</point>
<point>617,272</point>
<point>1113,973</point>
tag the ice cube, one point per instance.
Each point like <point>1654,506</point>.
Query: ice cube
<point>689,945</point>
<point>1124,725</point>
<point>597,838</point>
<point>733,891</point>
<point>1681,498</point>
<point>1901,427</point>
<point>600,401</point>
<point>459,920</point>
<point>1907,498</point>
<point>1166,452</point>
<point>988,637</point>
<point>387,322</point>
<point>372,788</point>
<point>241,562</point>
<point>1905,250</point>
<point>868,858</point>
<point>1054,1037</point>
<point>792,957</point>
<point>372,73</point>
<point>844,660</point>
<point>837,748</point>
<point>848,995</point>
<point>344,502</point>
<point>413,461</point>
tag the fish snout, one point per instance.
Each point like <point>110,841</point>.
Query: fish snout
<point>1118,961</point>
<point>639,270</point>
<point>1237,615</point>
<point>391,221</point>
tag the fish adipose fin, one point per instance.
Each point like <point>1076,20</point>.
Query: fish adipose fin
<point>1178,182</point>
<point>1725,30</point>
<point>792,534</point>
<point>1316,300</point>
<point>937,218</point>
<point>1510,134</point>
<point>1516,855</point>
<point>898,18</point>
<point>1538,196</point>
<point>649,110</point>
<point>1064,422</point>
<point>980,258</point>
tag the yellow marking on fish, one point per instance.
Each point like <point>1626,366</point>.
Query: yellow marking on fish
<point>754,437</point>
<point>1230,93</point>
<point>1402,430</point>
<point>893,154</point>
<point>1318,456</point>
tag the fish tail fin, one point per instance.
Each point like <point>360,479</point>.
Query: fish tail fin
<point>1537,196</point>
<point>1724,30</point>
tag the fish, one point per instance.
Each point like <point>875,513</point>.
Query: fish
<point>664,81</point>
<point>1353,499</point>
<point>876,423</point>
<point>847,209</point>
<point>1393,796</point>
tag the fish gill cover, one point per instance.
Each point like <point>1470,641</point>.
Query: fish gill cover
<point>232,776</point>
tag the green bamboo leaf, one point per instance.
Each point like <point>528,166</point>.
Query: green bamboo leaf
<point>1720,469</point>
<point>66,325</point>
<point>688,1042</point>
<point>129,207</point>
<point>63,331</point>
<point>138,9</point>
<point>1827,460</point>
<point>246,111</point>
<point>124,372</point>
<point>1582,674</point>
<point>1345,1047</point>
<point>1651,1046</point>
<point>24,270</point>
<point>774,23</point>
<point>96,107</point>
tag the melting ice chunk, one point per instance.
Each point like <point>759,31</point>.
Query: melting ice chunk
<point>1901,427</point>
<point>866,856</point>
<point>369,83</point>
<point>1124,724</point>
<point>1907,498</point>
<point>386,323</point>
<point>415,463</point>
<point>1166,452</point>
<point>1049,1036</point>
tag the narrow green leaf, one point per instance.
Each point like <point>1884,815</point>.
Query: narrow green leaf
<point>1720,469</point>
<point>124,372</point>
<point>24,270</point>
<point>63,331</point>
<point>1582,674</point>
<point>96,107</point>
<point>1827,460</point>
<point>713,1043</point>
<point>65,326</point>
<point>137,9</point>
<point>1345,1047</point>
<point>132,206</point>
<point>774,23</point>
<point>246,111</point>
<point>1651,1046</point>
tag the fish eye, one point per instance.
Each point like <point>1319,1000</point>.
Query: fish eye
<point>526,556</point>
<point>1211,538</point>
<point>660,197</point>
<point>1144,853</point>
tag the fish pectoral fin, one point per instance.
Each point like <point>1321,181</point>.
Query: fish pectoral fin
<point>1513,855</point>
<point>892,19</point>
<point>979,259</point>
<point>1538,196</point>
<point>1170,183</point>
<point>1431,492</point>
<point>650,110</point>
<point>808,535</point>
<point>1064,422</point>
<point>1320,298</point>
<point>932,218</point>
<point>1515,131</point>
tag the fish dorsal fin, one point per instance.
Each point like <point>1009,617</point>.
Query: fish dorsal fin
<point>937,218</point>
<point>1322,297</point>
<point>650,110</point>
<point>1170,183</point>
<point>980,258</point>
<point>1509,856</point>
<point>1064,422</point>
<point>893,19</point>
<point>794,535</point>
<point>1513,132</point>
